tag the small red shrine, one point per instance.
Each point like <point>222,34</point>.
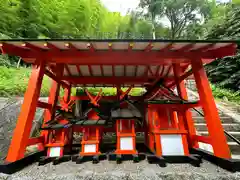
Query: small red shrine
<point>161,114</point>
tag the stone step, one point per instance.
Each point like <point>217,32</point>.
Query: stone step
<point>223,120</point>
<point>194,113</point>
<point>235,156</point>
<point>234,147</point>
<point>226,126</point>
<point>233,133</point>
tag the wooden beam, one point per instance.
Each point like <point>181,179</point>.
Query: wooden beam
<point>101,68</point>
<point>110,46</point>
<point>162,71</point>
<point>130,46</point>
<point>148,47</point>
<point>34,47</point>
<point>44,105</point>
<point>55,78</point>
<point>203,139</point>
<point>167,47</point>
<point>36,140</point>
<point>181,78</point>
<point>150,70</point>
<point>11,49</point>
<point>168,71</point>
<point>205,48</point>
<point>107,80</point>
<point>53,47</point>
<point>79,70</point>
<point>90,47</point>
<point>186,47</point>
<point>164,56</point>
<point>68,70</point>
<point>113,71</point>
<point>117,57</point>
<point>135,71</point>
<point>157,71</point>
<point>72,47</point>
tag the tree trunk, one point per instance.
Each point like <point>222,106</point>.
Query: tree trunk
<point>153,32</point>
<point>18,64</point>
<point>153,27</point>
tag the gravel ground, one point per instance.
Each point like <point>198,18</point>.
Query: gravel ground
<point>126,171</point>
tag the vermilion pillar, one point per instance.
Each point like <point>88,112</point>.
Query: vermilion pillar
<point>52,100</point>
<point>24,124</point>
<point>186,115</point>
<point>67,93</point>
<point>215,129</point>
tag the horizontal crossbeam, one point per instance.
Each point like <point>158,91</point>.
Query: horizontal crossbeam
<point>203,139</point>
<point>44,105</point>
<point>176,106</point>
<point>118,57</point>
<point>109,80</point>
<point>36,140</point>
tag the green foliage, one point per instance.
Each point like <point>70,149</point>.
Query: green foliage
<point>222,93</point>
<point>110,91</point>
<point>9,17</point>
<point>4,61</point>
<point>183,15</point>
<point>228,27</point>
<point>189,19</point>
<point>67,19</point>
<point>226,71</point>
<point>14,82</point>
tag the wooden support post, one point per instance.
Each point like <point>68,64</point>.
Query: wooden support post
<point>67,93</point>
<point>158,118</point>
<point>182,127</point>
<point>66,98</point>
<point>174,119</point>
<point>146,125</point>
<point>24,124</point>
<point>187,116</point>
<point>52,99</point>
<point>215,129</point>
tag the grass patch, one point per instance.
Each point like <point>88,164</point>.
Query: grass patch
<point>107,91</point>
<point>13,82</point>
<point>225,94</point>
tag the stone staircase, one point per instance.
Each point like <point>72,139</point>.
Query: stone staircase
<point>229,125</point>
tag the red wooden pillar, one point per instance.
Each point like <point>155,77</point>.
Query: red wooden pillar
<point>150,127</point>
<point>67,97</point>
<point>24,124</point>
<point>52,99</point>
<point>159,120</point>
<point>182,126</point>
<point>187,116</point>
<point>67,93</point>
<point>174,119</point>
<point>215,129</point>
<point>146,126</point>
